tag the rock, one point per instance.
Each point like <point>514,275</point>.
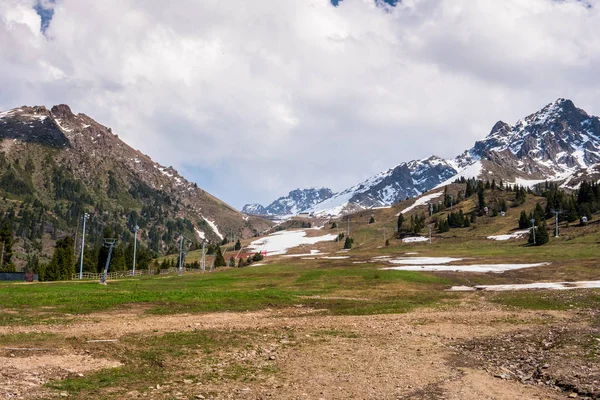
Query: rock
<point>188,381</point>
<point>271,357</point>
<point>199,396</point>
<point>573,395</point>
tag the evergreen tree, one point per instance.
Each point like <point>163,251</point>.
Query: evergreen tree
<point>372,220</point>
<point>400,222</point>
<point>6,243</point>
<point>238,245</point>
<point>443,226</point>
<point>348,243</point>
<point>541,234</point>
<point>62,264</point>
<point>219,260</point>
<point>523,220</point>
<point>481,198</point>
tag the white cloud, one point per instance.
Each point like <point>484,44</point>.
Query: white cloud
<point>251,99</point>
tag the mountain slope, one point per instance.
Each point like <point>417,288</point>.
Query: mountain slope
<point>559,143</point>
<point>295,202</point>
<point>67,164</point>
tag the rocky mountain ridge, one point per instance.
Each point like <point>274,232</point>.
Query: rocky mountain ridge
<point>105,177</point>
<point>295,202</point>
<point>558,143</point>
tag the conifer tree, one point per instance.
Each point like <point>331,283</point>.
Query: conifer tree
<point>523,220</point>
<point>348,243</point>
<point>63,262</point>
<point>219,260</point>
<point>400,222</point>
<point>6,243</point>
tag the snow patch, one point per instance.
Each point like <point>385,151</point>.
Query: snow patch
<point>279,243</point>
<point>495,268</point>
<point>57,121</point>
<point>516,235</point>
<point>421,201</point>
<point>415,239</point>
<point>214,227</point>
<point>529,286</point>
<point>424,260</point>
<point>200,234</point>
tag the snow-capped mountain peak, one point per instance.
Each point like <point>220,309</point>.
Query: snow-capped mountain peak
<point>295,202</point>
<point>560,142</point>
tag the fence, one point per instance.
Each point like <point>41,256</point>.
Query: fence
<point>18,276</point>
<point>138,272</point>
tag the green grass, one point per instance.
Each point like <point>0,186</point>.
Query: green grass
<point>549,299</point>
<point>106,378</point>
<point>151,360</point>
<point>234,290</point>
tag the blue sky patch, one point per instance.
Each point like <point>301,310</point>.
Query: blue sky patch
<point>45,10</point>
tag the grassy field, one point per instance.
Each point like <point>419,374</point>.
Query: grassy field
<point>37,315</point>
<point>229,290</point>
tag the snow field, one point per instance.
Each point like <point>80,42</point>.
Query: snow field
<point>529,286</point>
<point>515,235</point>
<point>279,243</point>
<point>421,202</point>
<point>495,268</point>
<point>415,239</point>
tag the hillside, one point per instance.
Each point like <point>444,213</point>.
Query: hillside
<point>57,165</point>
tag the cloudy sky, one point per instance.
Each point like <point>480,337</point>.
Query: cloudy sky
<point>251,99</point>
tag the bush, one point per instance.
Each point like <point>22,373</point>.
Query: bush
<point>348,243</point>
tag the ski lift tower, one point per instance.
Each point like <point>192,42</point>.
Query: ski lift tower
<point>135,231</point>
<point>557,213</point>
<point>203,262</point>
<point>111,245</point>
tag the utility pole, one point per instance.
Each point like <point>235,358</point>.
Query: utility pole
<point>183,254</point>
<point>533,228</point>
<point>556,213</point>
<point>111,246</point>
<point>75,240</point>
<point>348,226</point>
<point>180,254</point>
<point>430,209</point>
<point>135,231</point>
<point>85,217</point>
<point>203,256</point>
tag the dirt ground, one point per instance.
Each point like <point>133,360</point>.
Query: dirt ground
<point>300,353</point>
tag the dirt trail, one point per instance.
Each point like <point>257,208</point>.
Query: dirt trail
<point>400,356</point>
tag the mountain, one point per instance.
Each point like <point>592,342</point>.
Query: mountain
<point>295,202</point>
<point>389,187</point>
<point>558,143</point>
<point>56,165</point>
